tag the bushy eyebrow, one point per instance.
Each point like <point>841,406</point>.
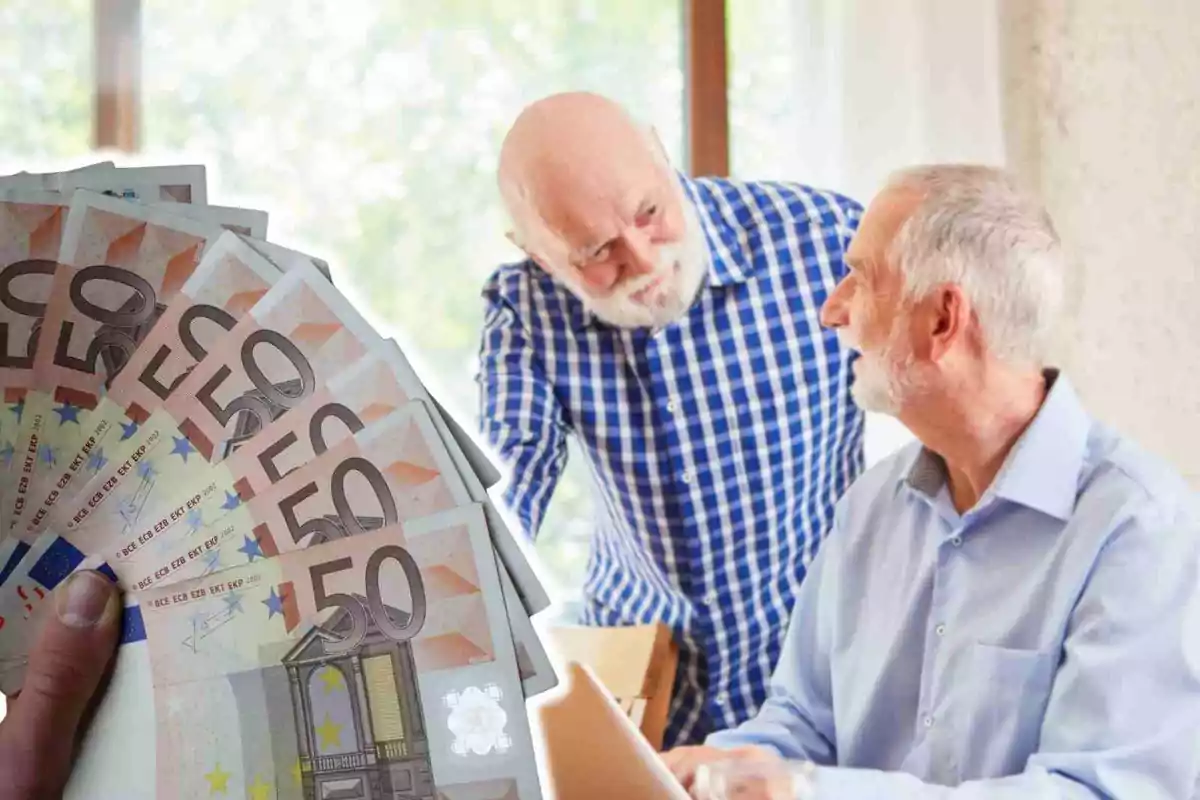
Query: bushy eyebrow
<point>585,254</point>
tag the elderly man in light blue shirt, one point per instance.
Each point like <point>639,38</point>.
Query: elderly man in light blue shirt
<point>1009,608</point>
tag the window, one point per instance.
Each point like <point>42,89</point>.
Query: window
<point>46,72</point>
<point>764,117</point>
<point>370,131</point>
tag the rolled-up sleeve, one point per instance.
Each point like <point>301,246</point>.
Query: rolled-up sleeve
<point>520,418</point>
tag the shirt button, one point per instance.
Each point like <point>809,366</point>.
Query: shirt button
<point>711,598</point>
<point>672,406</point>
<point>687,476</point>
<point>956,541</point>
<point>722,698</point>
<point>927,722</point>
<point>940,630</point>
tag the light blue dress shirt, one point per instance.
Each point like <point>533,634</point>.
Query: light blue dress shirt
<point>1045,644</point>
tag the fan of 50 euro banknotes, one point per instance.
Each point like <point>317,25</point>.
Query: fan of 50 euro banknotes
<point>321,600</point>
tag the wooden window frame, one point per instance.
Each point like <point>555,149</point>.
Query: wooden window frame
<point>706,78</point>
<point>117,29</point>
<point>117,50</point>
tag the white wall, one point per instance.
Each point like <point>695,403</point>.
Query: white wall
<point>879,84</point>
<point>1102,116</point>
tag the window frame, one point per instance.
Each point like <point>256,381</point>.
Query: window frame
<point>117,44</point>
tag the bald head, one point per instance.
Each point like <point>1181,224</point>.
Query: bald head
<point>595,203</point>
<point>569,164</point>
<point>584,135</point>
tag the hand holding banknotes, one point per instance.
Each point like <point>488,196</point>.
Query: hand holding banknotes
<point>72,653</point>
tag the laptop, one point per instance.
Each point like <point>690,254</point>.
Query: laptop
<point>593,751</point>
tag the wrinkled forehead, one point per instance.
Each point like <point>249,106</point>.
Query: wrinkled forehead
<point>882,220</point>
<point>584,200</point>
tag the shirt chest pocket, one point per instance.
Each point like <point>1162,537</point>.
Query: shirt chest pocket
<point>999,708</point>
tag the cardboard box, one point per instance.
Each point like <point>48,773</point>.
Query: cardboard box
<point>635,664</point>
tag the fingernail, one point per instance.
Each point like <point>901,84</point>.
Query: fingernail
<point>83,600</point>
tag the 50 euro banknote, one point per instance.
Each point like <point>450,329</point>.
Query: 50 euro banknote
<point>395,469</point>
<point>52,477</point>
<point>365,392</point>
<point>392,470</point>
<point>31,224</point>
<point>31,238</point>
<point>293,339</point>
<point>121,263</point>
<point>378,384</point>
<point>230,278</point>
<point>380,660</point>
<point>33,209</point>
<point>299,335</point>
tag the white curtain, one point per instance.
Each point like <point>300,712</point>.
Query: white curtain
<point>884,83</point>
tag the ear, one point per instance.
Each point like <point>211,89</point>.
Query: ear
<point>946,319</point>
<point>532,256</point>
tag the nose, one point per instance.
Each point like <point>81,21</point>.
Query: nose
<point>640,253</point>
<point>833,312</point>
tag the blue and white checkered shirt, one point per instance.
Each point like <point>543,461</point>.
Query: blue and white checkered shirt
<point>718,445</point>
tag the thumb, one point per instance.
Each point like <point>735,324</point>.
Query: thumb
<point>67,662</point>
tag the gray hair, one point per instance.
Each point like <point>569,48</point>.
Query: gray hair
<point>975,227</point>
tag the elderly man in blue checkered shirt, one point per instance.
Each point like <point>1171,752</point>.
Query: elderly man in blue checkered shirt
<point>672,327</point>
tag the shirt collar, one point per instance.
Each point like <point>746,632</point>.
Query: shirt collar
<point>727,263</point>
<point>1042,469</point>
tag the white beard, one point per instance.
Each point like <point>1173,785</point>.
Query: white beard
<point>680,266</point>
<point>882,381</point>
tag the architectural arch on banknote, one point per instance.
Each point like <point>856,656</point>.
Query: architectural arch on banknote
<point>359,722</point>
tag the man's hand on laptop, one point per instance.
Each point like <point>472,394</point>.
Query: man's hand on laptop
<point>684,761</point>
